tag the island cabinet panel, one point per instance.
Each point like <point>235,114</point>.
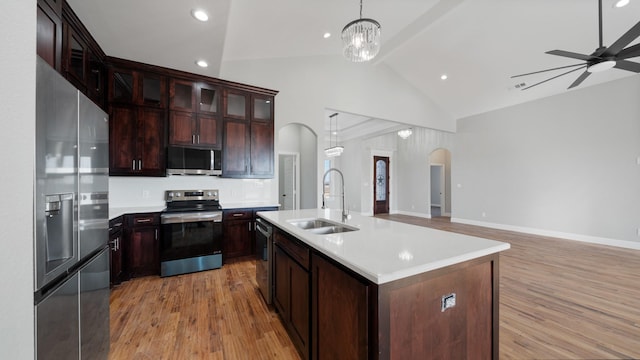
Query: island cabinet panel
<point>343,314</point>
<point>292,291</point>
<point>414,325</point>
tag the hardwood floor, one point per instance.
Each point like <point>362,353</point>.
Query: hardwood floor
<point>559,299</point>
<point>216,314</point>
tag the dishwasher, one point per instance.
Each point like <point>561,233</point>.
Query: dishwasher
<point>264,259</point>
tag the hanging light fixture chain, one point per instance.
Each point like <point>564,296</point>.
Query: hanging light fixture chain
<point>360,9</point>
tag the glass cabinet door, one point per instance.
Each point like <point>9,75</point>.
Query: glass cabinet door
<point>262,108</point>
<point>236,104</point>
<point>76,58</point>
<point>208,98</point>
<point>182,95</point>
<point>153,90</point>
<point>122,86</point>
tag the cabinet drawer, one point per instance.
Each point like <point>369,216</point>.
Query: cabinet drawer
<point>143,219</point>
<point>115,225</point>
<point>237,215</point>
<point>294,248</point>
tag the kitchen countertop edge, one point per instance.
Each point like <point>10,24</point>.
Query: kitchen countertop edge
<point>373,241</point>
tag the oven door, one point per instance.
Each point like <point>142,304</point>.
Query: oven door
<point>190,241</point>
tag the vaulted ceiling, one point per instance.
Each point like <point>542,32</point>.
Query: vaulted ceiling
<point>478,44</point>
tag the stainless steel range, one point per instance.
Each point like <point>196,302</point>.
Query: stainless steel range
<point>191,232</point>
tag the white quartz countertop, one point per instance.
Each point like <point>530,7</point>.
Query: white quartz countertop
<point>382,250</point>
<point>115,212</point>
<point>246,205</point>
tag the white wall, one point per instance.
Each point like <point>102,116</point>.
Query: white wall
<point>149,191</point>
<point>414,184</point>
<point>564,166</point>
<point>17,108</point>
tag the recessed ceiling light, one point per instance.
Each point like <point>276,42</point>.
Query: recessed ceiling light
<point>443,77</point>
<point>199,15</point>
<point>621,3</point>
<point>202,63</point>
<point>326,35</point>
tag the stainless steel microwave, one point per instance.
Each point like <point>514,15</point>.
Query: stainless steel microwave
<point>190,161</point>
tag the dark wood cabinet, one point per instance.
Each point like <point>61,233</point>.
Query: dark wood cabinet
<point>128,86</point>
<point>136,141</point>
<point>291,295</point>
<point>143,244</point>
<point>194,120</point>
<point>82,58</point>
<point>238,233</point>
<point>49,33</point>
<point>340,301</point>
<point>247,135</point>
<point>116,243</point>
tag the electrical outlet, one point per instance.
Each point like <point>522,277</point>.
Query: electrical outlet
<point>448,301</point>
<point>145,194</point>
<point>484,214</point>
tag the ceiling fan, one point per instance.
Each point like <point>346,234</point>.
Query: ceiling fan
<point>603,58</point>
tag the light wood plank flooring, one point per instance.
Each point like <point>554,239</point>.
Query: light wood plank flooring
<point>559,299</point>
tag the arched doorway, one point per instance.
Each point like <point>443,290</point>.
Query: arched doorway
<point>440,183</point>
<point>297,167</point>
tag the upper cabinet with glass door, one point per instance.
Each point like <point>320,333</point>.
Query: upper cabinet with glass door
<point>236,104</point>
<point>137,88</point>
<point>262,108</point>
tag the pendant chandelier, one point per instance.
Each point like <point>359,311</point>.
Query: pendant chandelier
<point>334,150</point>
<point>361,39</point>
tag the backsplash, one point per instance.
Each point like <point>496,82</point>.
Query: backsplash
<point>149,191</point>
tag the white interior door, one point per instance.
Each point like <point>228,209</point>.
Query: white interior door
<point>289,181</point>
<point>438,186</point>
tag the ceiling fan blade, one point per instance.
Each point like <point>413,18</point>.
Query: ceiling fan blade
<point>555,77</point>
<point>624,40</point>
<point>580,79</point>
<point>571,55</point>
<point>630,52</point>
<point>541,71</point>
<point>627,65</point>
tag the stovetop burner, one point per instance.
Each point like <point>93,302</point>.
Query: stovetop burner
<point>192,200</point>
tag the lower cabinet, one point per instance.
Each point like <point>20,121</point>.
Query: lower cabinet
<point>238,232</point>
<point>116,232</point>
<point>340,301</point>
<point>143,244</point>
<point>292,285</point>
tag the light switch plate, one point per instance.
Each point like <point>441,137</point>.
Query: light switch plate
<point>448,301</point>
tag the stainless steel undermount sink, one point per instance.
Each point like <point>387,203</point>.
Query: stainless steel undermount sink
<point>322,226</point>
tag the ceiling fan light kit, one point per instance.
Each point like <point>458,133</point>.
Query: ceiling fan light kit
<point>603,58</point>
<point>361,39</point>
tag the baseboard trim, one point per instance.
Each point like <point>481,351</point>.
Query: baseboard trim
<point>409,213</point>
<point>556,234</point>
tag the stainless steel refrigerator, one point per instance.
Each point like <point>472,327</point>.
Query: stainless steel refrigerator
<point>71,294</point>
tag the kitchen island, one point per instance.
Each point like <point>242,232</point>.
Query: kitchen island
<point>383,289</point>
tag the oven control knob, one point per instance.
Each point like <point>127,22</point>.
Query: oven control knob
<point>170,195</point>
<point>209,193</point>
<point>178,194</point>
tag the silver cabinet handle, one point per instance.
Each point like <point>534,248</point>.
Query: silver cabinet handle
<point>139,164</point>
<point>198,138</point>
<point>193,138</point>
<point>156,234</point>
<point>143,221</point>
<point>249,225</point>
<point>118,243</point>
<point>133,164</point>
